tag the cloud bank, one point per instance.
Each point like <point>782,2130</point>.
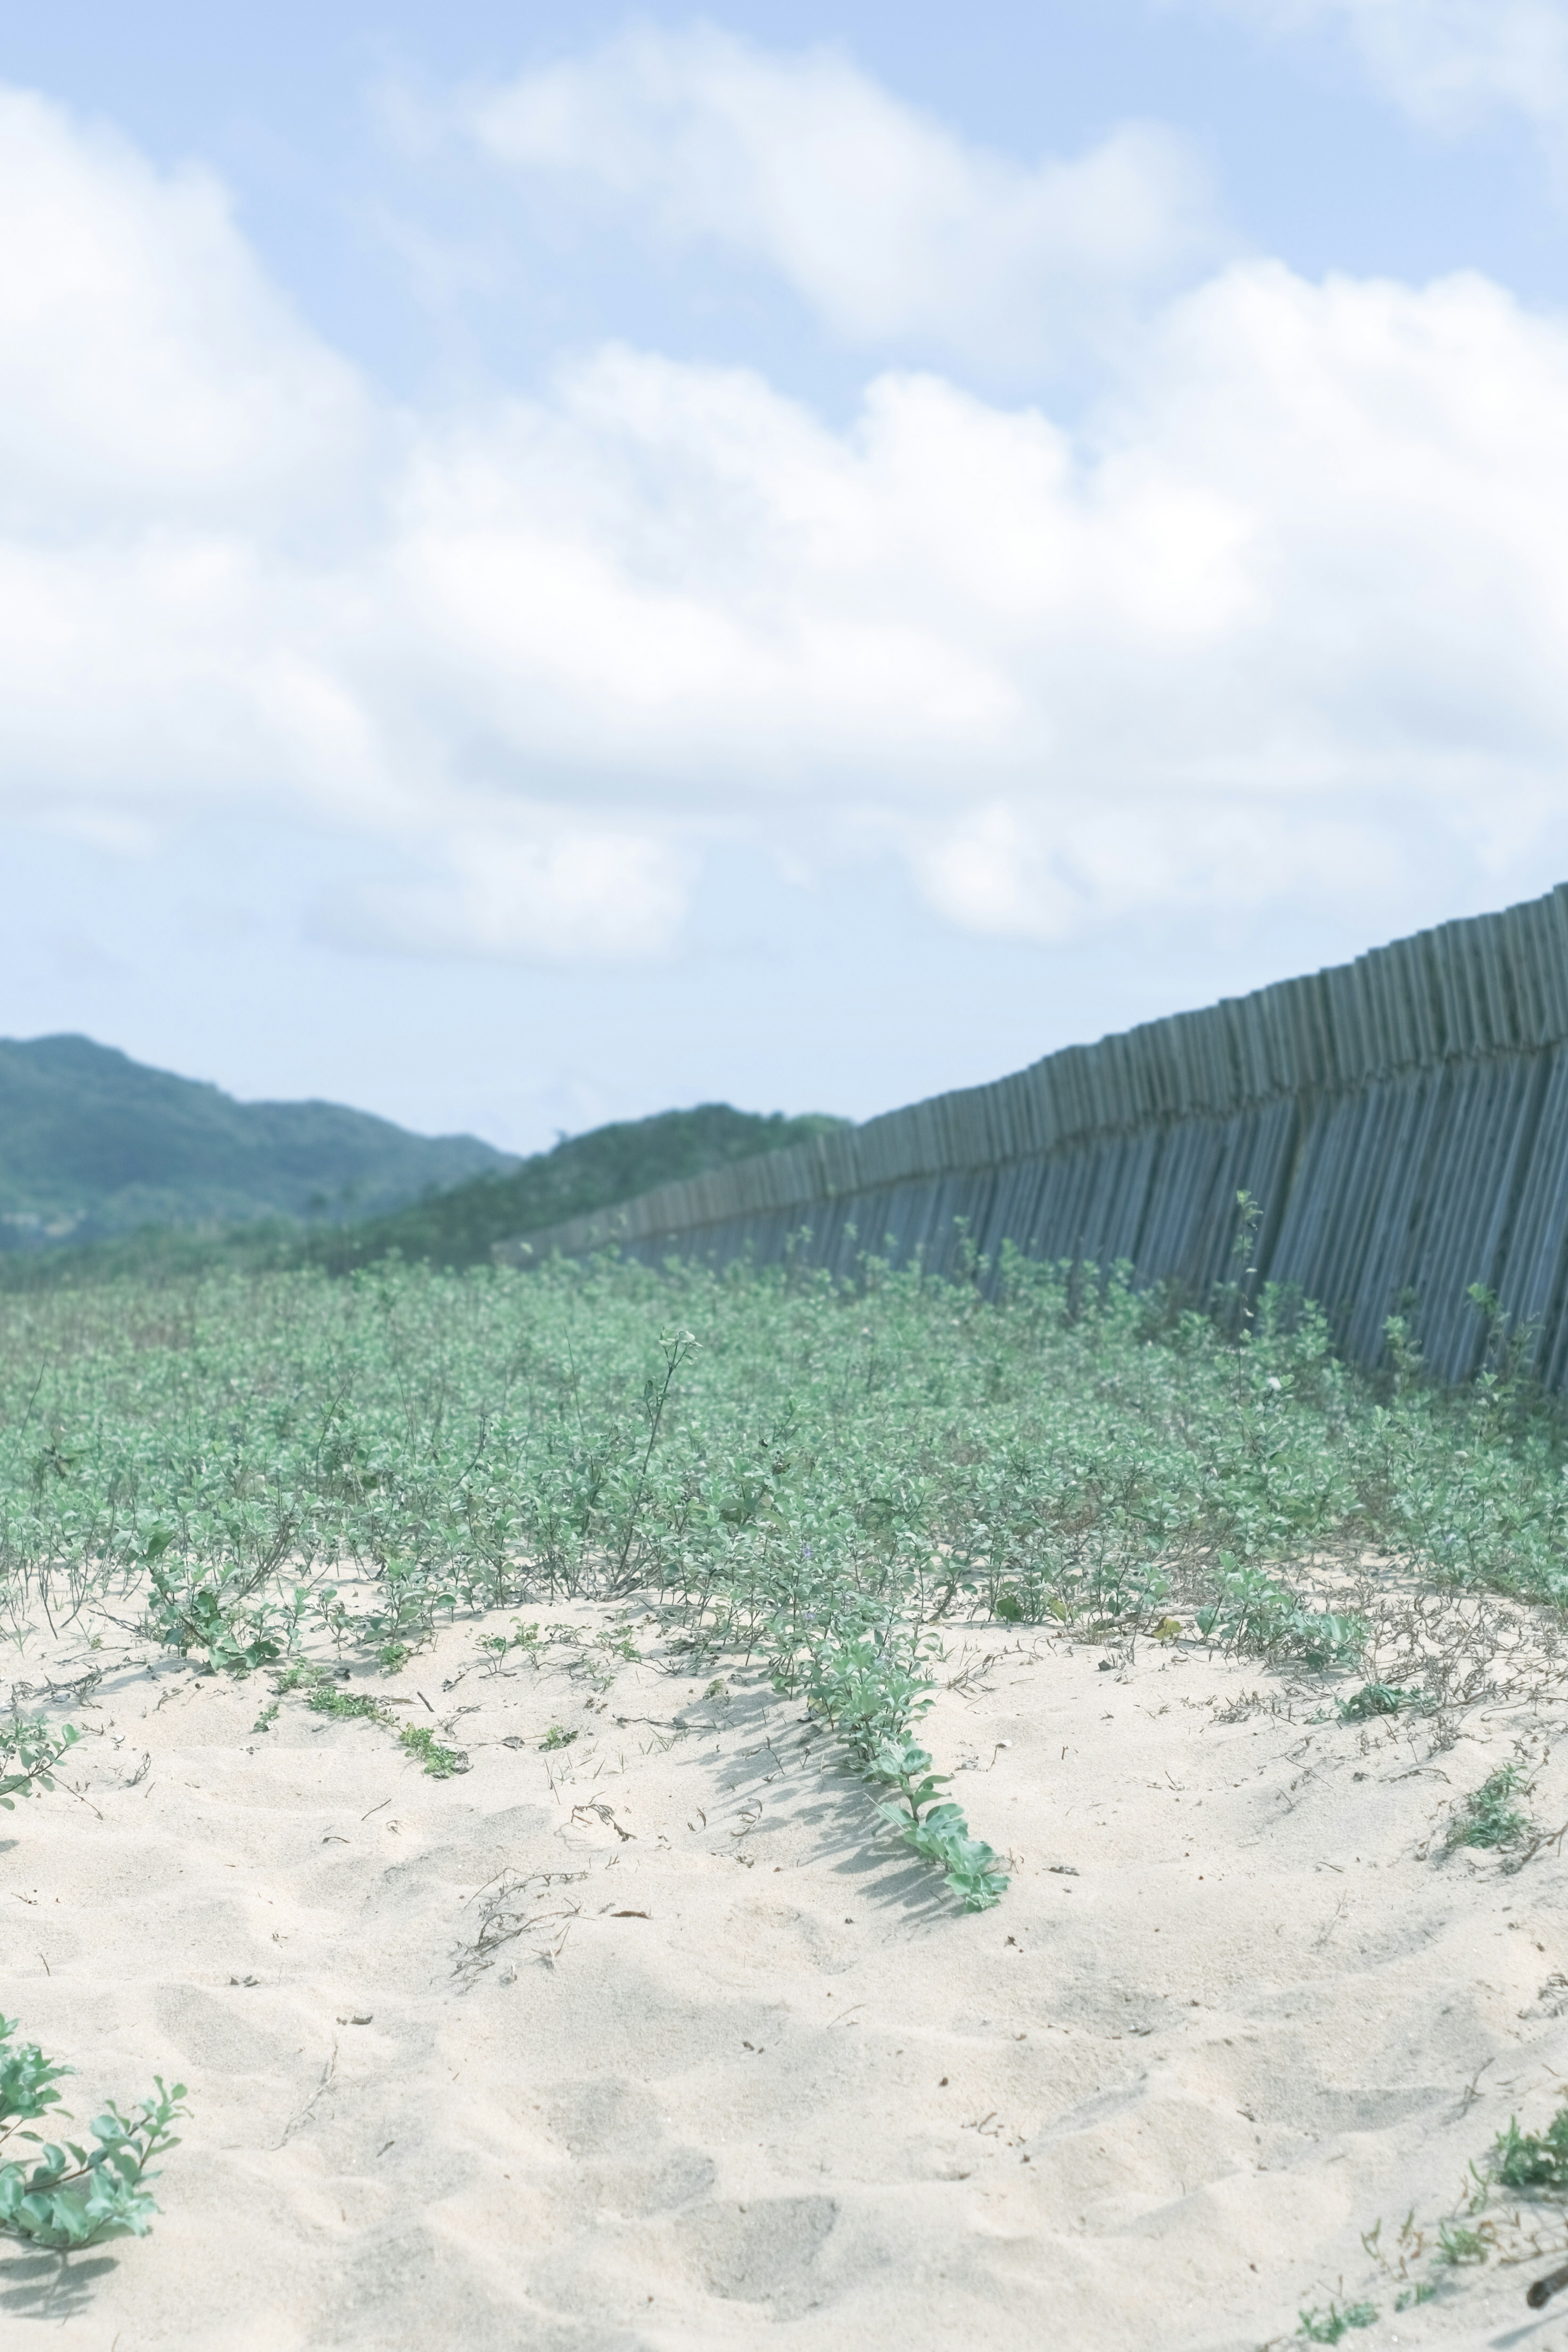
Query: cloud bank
<point>1282,615</point>
<point>881,220</point>
<point>1447,62</point>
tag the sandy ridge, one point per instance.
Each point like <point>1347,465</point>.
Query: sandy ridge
<point>647,2041</point>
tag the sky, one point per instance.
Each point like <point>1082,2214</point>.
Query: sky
<point>557,563</point>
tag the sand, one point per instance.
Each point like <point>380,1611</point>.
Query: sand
<point>650,2042</point>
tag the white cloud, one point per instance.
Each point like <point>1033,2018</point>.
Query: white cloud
<point>150,369</point>
<point>548,887</point>
<point>673,575</point>
<point>1447,61</point>
<point>881,220</point>
<point>1288,615</point>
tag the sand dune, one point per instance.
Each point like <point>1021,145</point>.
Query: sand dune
<point>648,2041</point>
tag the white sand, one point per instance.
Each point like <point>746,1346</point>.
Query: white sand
<point>724,2068</point>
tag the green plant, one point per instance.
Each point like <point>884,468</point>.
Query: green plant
<point>1253,1611</point>
<point>1486,1818</point>
<point>497,1647</point>
<point>206,1617</point>
<point>301,1675</point>
<point>1328,2327</point>
<point>346,1706</point>
<point>972,1868</point>
<point>1526,2160</point>
<point>29,1756</point>
<point>678,1346</point>
<point>556,1737</point>
<point>70,2196</point>
<point>1372,1699</point>
<point>256,1451</point>
<point>1457,2244</point>
<point>325,1695</point>
<point>871,1700</point>
<point>1231,1304</point>
<point>440,1763</point>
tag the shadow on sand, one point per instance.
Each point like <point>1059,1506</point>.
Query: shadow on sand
<point>798,1775</point>
<point>56,2286</point>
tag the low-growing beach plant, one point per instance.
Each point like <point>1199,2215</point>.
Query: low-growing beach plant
<point>941,1834</point>
<point>346,1706</point>
<point>30,1754</point>
<point>205,1617</point>
<point>1458,2240</point>
<point>1529,2160</point>
<point>1372,1700</point>
<point>1486,1816</point>
<point>871,1699</point>
<point>1532,2167</point>
<point>1253,1612</point>
<point>66,2196</point>
<point>418,1741</point>
<point>781,1463</point>
<point>1328,2327</point>
<point>497,1647</point>
<point>324,1695</point>
<point>1463,2243</point>
<point>326,1698</point>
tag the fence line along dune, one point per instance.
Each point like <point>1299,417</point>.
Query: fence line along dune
<point>1400,1122</point>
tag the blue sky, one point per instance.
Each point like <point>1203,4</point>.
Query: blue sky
<point>557,563</point>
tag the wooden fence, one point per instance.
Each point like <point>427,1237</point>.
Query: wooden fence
<point>1401,1122</point>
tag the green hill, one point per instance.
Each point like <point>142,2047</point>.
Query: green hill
<point>582,1172</point>
<point>108,1166</point>
<point>93,1145</point>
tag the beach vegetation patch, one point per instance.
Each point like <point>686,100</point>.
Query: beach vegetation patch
<point>814,1478</point>
<point>1372,1700</point>
<point>1328,2327</point>
<point>30,1754</point>
<point>1531,2160</point>
<point>66,2196</point>
<point>1488,1816</point>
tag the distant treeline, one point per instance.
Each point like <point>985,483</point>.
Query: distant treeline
<point>583,1172</point>
<point>454,1228</point>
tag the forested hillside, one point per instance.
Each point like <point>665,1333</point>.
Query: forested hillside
<point>581,1173</point>
<point>93,1144</point>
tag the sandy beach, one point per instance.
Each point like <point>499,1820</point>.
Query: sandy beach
<point>647,2040</point>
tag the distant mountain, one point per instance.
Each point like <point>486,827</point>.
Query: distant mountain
<point>93,1144</point>
<point>582,1172</point>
